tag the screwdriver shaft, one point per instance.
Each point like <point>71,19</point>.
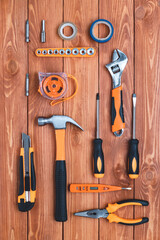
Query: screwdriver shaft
<point>134,115</point>
<point>97,98</point>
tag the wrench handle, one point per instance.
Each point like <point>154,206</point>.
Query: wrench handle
<point>118,123</point>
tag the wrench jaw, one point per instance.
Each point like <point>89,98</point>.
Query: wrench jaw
<point>116,67</point>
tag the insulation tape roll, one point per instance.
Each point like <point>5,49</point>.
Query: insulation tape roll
<point>105,22</point>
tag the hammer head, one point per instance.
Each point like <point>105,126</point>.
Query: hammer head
<point>116,67</point>
<point>58,121</point>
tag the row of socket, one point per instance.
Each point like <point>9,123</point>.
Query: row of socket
<point>74,51</point>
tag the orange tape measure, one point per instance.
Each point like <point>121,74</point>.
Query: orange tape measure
<point>54,86</point>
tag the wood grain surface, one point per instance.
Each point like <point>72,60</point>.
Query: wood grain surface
<point>136,33</point>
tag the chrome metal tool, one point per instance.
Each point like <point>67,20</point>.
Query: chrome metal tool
<point>116,67</point>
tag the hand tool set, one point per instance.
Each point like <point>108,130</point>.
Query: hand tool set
<point>54,86</point>
<point>27,187</point>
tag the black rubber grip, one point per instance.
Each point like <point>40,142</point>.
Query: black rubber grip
<point>98,157</point>
<point>61,207</point>
<point>144,220</point>
<point>33,175</point>
<point>133,157</point>
<point>142,202</point>
<point>21,184</point>
<point>113,109</point>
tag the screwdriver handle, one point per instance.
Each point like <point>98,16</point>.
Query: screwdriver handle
<point>133,159</point>
<point>118,123</point>
<point>98,158</point>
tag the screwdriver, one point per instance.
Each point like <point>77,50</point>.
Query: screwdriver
<point>98,152</point>
<point>96,188</point>
<point>27,187</point>
<point>133,156</point>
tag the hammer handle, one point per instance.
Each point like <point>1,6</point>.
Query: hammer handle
<point>61,208</point>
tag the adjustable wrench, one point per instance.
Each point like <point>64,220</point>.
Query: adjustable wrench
<point>116,67</point>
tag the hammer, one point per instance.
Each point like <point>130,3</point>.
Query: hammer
<point>59,123</point>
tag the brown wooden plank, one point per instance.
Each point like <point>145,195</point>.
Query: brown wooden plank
<point>82,108</point>
<point>13,113</point>
<point>120,14</point>
<point>147,52</point>
<point>41,219</point>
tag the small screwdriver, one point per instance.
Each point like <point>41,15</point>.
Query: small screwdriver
<point>133,157</point>
<point>98,152</point>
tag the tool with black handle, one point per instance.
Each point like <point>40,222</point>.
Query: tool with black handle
<point>133,156</point>
<point>59,123</point>
<point>98,152</point>
<point>27,187</point>
<point>116,67</point>
<point>109,214</point>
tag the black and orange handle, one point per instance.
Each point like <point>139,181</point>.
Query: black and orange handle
<point>118,123</point>
<point>27,183</point>
<point>61,206</point>
<point>133,159</point>
<point>98,158</point>
<point>114,218</point>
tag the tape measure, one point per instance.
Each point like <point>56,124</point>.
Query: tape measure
<point>54,86</point>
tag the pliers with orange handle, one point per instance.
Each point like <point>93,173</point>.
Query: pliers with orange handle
<point>116,67</point>
<point>108,212</point>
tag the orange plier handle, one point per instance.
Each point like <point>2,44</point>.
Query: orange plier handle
<point>114,218</point>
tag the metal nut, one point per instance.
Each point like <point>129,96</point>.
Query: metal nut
<point>55,51</point>
<point>50,51</point>
<point>68,51</point>
<point>39,52</point>
<point>90,51</point>
<point>44,52</point>
<point>82,51</point>
<point>61,51</point>
<point>75,51</point>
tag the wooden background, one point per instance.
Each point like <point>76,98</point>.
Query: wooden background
<point>137,34</point>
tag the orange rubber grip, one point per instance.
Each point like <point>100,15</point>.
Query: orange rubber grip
<point>114,218</point>
<point>60,144</point>
<point>117,110</point>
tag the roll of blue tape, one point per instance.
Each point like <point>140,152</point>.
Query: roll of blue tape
<point>108,24</point>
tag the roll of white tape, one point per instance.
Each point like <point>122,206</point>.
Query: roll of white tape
<point>67,24</point>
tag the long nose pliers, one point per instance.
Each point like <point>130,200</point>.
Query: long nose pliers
<point>111,208</point>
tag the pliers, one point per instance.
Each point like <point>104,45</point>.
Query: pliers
<point>109,212</point>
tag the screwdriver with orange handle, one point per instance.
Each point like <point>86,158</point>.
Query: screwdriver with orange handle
<point>98,152</point>
<point>94,188</point>
<point>133,156</point>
